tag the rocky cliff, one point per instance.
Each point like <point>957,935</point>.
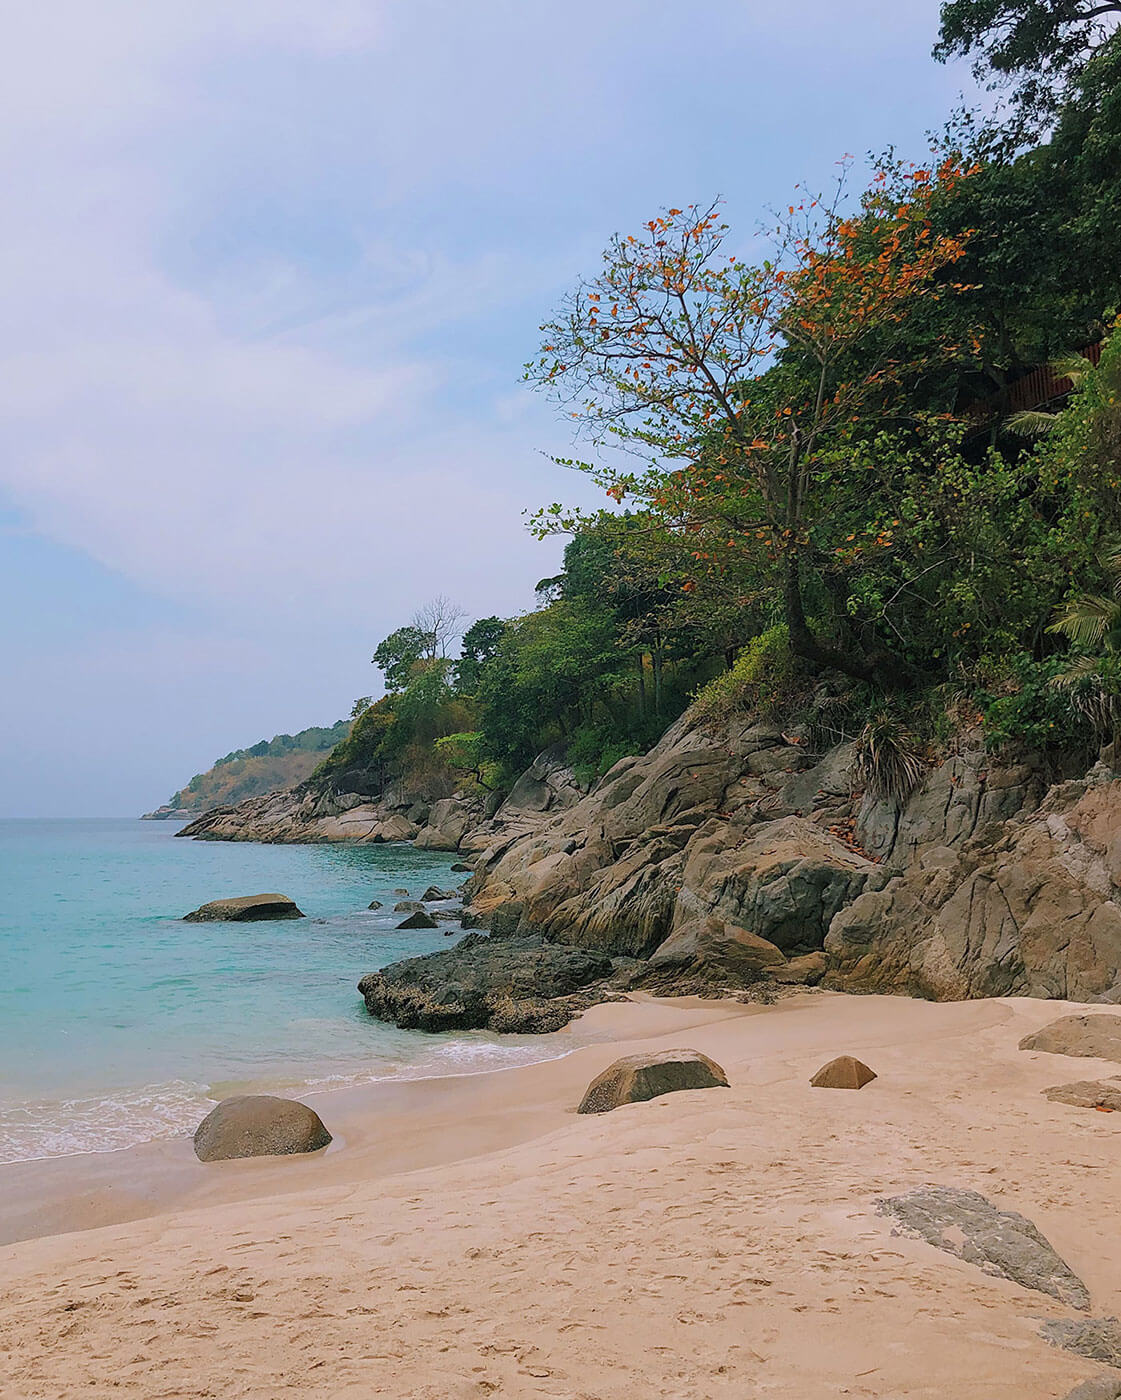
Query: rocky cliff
<point>732,854</point>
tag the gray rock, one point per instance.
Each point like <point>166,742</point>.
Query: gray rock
<point>636,1078</point>
<point>474,983</point>
<point>434,893</point>
<point>1096,1338</point>
<point>1102,1387</point>
<point>408,906</point>
<point>418,919</point>
<point>244,909</point>
<point>259,1125</point>
<point>461,868</point>
<point>1001,1243</point>
<point>401,890</point>
<point>1097,1036</point>
<point>374,904</point>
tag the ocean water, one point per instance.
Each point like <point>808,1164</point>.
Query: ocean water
<point>121,1024</point>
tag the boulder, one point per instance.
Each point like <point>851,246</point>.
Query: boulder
<point>733,955</point>
<point>408,906</point>
<point>433,893</point>
<point>245,908</point>
<point>374,904</point>
<point>473,984</point>
<point>999,1242</point>
<point>461,868</point>
<point>1103,1387</point>
<point>418,919</point>
<point>1098,1037</point>
<point>1088,1093</point>
<point>845,1072</point>
<point>400,890</point>
<point>259,1125</point>
<point>636,1078</point>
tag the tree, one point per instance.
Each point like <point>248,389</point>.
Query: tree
<point>1037,47</point>
<point>480,643</point>
<point>400,654</point>
<point>751,373</point>
<point>438,622</point>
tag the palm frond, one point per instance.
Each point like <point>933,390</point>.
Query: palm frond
<point>1031,422</point>
<point>1072,367</point>
<point>887,759</point>
<point>1086,620</point>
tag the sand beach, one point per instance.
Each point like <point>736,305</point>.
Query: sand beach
<point>475,1237</point>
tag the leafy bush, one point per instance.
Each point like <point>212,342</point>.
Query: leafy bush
<point>1024,707</point>
<point>887,759</point>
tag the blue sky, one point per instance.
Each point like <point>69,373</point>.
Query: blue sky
<point>270,272</point>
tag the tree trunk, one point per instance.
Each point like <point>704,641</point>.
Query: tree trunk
<point>641,686</point>
<point>803,643</point>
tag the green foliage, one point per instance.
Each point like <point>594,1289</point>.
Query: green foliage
<point>1024,708</point>
<point>765,678</point>
<point>400,655</point>
<point>267,766</point>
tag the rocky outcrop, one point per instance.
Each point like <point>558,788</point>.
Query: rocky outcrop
<point>999,1242</point>
<point>1030,906</point>
<point>497,983</point>
<point>636,1078</point>
<point>246,908</point>
<point>1096,1338</point>
<point>259,1125</point>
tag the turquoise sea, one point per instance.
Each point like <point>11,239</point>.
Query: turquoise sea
<point>120,1024</point>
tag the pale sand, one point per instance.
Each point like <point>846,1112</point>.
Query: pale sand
<point>475,1237</point>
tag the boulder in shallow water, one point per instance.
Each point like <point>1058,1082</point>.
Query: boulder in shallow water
<point>433,893</point>
<point>845,1072</point>
<point>636,1078</point>
<point>374,904</point>
<point>418,919</point>
<point>408,906</point>
<point>1098,1036</point>
<point>244,909</point>
<point>259,1125</point>
<point>999,1242</point>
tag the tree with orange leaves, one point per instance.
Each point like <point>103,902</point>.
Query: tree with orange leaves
<point>751,374</point>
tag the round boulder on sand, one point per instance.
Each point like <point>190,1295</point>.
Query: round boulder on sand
<point>1096,1036</point>
<point>844,1072</point>
<point>636,1078</point>
<point>259,1125</point>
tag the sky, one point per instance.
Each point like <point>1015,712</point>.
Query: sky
<point>270,271</point>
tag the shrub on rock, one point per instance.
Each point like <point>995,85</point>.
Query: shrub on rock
<point>636,1078</point>
<point>259,1125</point>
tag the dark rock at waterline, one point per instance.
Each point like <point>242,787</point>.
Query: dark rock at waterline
<point>408,906</point>
<point>636,1078</point>
<point>400,890</point>
<point>245,908</point>
<point>418,919</point>
<point>999,1242</point>
<point>259,1125</point>
<point>461,868</point>
<point>374,904</point>
<point>433,893</point>
<point>504,984</point>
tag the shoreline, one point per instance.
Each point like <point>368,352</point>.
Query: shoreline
<point>59,1194</point>
<point>472,1235</point>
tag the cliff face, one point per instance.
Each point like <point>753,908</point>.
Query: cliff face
<point>732,853</point>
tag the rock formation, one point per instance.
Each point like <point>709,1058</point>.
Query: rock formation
<point>259,1125</point>
<point>244,909</point>
<point>636,1078</point>
<point>1088,1093</point>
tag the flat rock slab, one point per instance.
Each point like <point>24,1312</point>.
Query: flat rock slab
<point>1001,1243</point>
<point>1096,1036</point>
<point>259,1125</point>
<point>244,909</point>
<point>636,1078</point>
<point>1096,1338</point>
<point>845,1072</point>
<point>1102,1094</point>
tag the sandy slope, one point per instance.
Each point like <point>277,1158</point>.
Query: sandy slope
<point>716,1244</point>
